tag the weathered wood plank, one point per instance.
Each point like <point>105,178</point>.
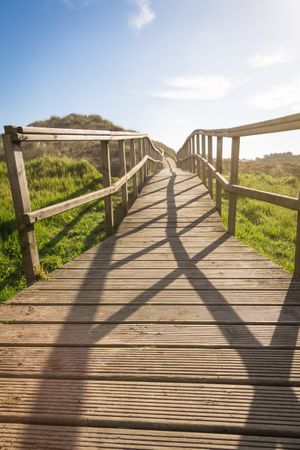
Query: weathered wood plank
<point>182,283</point>
<point>233,314</point>
<point>162,273</point>
<point>165,335</point>
<point>21,437</point>
<point>215,365</point>
<point>171,296</point>
<point>186,406</point>
<point>161,264</point>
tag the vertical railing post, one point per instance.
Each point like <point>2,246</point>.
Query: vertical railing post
<point>297,250</point>
<point>133,163</point>
<point>203,150</point>
<point>186,162</point>
<point>235,150</point>
<point>198,153</point>
<point>193,153</point>
<point>219,167</point>
<point>140,157</point>
<point>106,182</point>
<point>209,159</point>
<point>124,188</point>
<point>144,152</point>
<point>21,199</point>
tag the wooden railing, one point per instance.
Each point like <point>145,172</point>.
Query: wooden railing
<point>144,157</point>
<point>196,155</point>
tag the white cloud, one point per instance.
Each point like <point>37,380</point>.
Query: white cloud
<point>281,55</point>
<point>196,88</point>
<point>144,15</point>
<point>278,96</point>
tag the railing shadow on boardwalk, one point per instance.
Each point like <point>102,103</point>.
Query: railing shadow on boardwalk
<point>97,332</point>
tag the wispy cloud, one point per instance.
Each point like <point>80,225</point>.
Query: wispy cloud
<point>196,88</point>
<point>278,96</point>
<point>281,55</point>
<point>143,16</point>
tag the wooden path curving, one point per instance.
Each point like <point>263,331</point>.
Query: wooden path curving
<point>171,334</point>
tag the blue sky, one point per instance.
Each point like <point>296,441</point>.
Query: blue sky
<point>161,66</point>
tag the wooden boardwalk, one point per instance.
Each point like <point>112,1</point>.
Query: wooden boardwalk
<point>171,334</point>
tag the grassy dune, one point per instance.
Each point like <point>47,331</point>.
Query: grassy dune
<point>60,238</point>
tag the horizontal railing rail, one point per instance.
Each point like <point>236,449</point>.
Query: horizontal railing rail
<point>196,155</point>
<point>145,157</point>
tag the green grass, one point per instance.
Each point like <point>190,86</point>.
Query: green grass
<point>60,238</point>
<point>269,229</point>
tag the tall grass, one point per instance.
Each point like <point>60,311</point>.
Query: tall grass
<point>269,229</point>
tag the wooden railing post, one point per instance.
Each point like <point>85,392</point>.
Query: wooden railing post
<point>21,199</point>
<point>106,182</point>
<point>194,153</point>
<point>297,250</point>
<point>124,189</point>
<point>144,152</point>
<point>190,154</point>
<point>140,157</point>
<point>198,153</point>
<point>219,167</point>
<point>209,159</point>
<point>133,162</point>
<point>235,150</point>
<point>203,150</point>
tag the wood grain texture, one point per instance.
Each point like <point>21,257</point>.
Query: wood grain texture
<point>171,334</point>
<point>26,437</point>
<point>154,405</point>
<point>214,365</point>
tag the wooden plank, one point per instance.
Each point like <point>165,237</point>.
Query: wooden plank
<point>165,229</point>
<point>186,406</point>
<point>182,283</point>
<point>106,182</point>
<point>19,436</point>
<point>233,180</point>
<point>160,335</point>
<point>163,297</point>
<point>161,264</point>
<point>57,137</point>
<point>197,314</point>
<point>20,194</point>
<point>163,273</point>
<point>215,365</point>
<point>286,123</point>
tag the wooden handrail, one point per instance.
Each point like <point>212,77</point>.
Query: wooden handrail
<point>191,152</point>
<point>149,156</point>
<point>50,211</point>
